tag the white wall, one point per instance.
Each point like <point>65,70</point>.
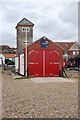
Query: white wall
<point>2,59</point>
<point>22,64</point>
<point>16,64</point>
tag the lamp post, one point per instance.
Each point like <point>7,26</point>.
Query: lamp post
<point>27,30</point>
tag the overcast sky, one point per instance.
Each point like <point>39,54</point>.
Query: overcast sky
<point>58,20</point>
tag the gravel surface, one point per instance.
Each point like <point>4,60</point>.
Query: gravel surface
<point>24,98</point>
<point>0,94</point>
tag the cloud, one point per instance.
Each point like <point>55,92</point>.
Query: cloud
<point>12,15</point>
<point>70,14</point>
<point>57,21</point>
<point>8,38</point>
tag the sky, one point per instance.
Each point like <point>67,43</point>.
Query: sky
<point>57,20</point>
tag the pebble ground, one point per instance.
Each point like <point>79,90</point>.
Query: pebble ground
<point>22,98</point>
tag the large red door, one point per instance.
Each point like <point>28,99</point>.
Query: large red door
<point>43,63</point>
<point>35,63</point>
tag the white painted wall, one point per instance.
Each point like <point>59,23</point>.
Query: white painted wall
<point>12,59</point>
<point>16,64</point>
<point>22,64</point>
<point>2,59</point>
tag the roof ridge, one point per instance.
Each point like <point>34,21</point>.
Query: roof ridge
<point>47,39</point>
<point>73,45</point>
<point>26,20</point>
<point>59,46</point>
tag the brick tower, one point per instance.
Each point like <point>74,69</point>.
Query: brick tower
<point>24,34</point>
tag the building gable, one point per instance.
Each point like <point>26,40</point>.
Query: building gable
<point>45,43</point>
<point>26,22</point>
<point>76,46</point>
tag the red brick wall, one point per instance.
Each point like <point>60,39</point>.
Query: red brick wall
<point>71,52</point>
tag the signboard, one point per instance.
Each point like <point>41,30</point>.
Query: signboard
<point>44,43</point>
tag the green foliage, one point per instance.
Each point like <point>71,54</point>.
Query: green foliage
<point>76,59</point>
<point>6,61</point>
<point>9,62</point>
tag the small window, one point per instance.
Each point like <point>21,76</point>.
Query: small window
<point>77,52</point>
<point>24,42</point>
<point>74,52</point>
<point>66,44</point>
<point>25,29</point>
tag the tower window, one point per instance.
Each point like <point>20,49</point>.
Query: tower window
<point>25,42</point>
<point>25,29</point>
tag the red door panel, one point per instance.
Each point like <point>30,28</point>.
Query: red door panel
<point>52,63</point>
<point>35,63</point>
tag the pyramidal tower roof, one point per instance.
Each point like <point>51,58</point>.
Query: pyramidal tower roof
<point>26,22</point>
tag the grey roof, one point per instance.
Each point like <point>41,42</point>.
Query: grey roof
<point>25,21</point>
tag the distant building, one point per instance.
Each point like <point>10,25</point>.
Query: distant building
<point>4,48</point>
<point>10,56</point>
<point>74,50</point>
<point>7,49</point>
<point>71,49</point>
<point>6,56</point>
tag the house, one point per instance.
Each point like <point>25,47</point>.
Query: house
<point>4,47</point>
<point>74,50</point>
<point>10,56</point>
<point>70,48</point>
<point>7,49</point>
<point>6,56</point>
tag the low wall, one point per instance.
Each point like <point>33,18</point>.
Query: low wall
<point>72,73</point>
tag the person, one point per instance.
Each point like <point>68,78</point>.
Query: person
<point>68,64</point>
<point>74,63</point>
<point>63,68</point>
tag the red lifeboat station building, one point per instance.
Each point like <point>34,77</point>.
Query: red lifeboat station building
<point>44,59</point>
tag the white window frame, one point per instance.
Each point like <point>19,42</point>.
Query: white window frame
<point>77,52</point>
<point>74,53</point>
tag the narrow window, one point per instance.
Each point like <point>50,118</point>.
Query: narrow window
<point>74,53</point>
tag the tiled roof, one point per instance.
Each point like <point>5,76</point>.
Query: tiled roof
<point>4,47</point>
<point>25,21</point>
<point>9,55</point>
<point>65,45</point>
